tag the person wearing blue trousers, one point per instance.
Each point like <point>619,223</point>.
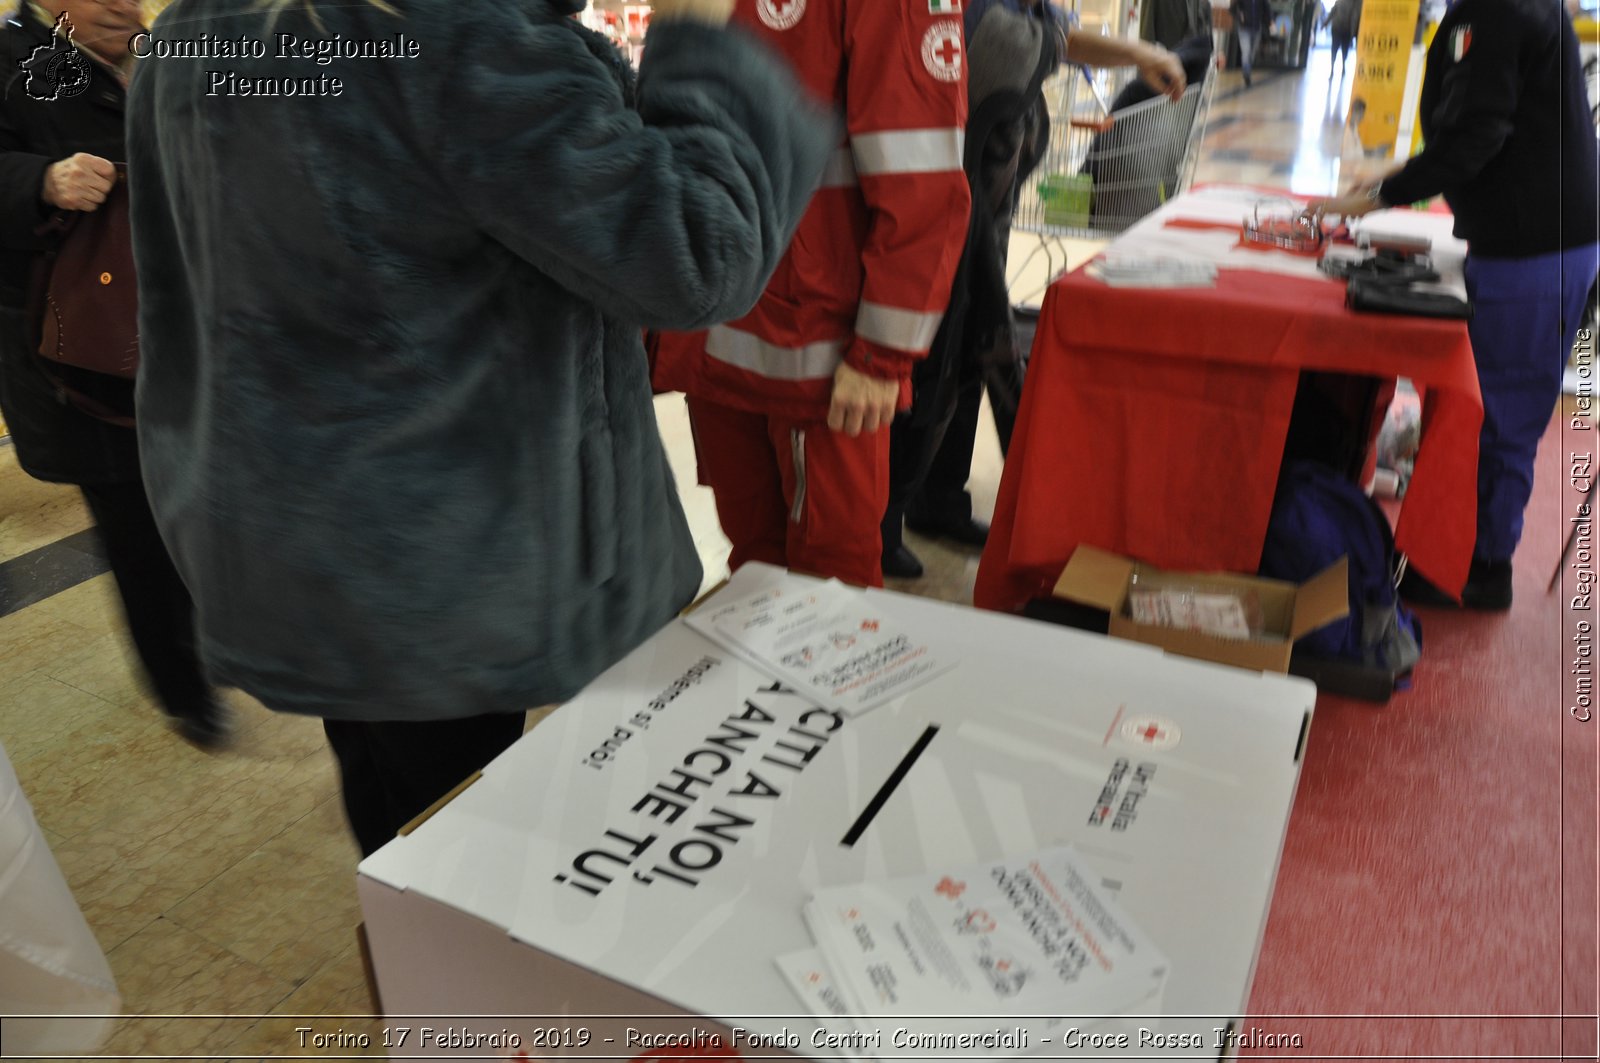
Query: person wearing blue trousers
<point>1250,21</point>
<point>1511,145</point>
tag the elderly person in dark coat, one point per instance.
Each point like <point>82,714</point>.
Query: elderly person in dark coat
<point>395,407</point>
<point>61,116</point>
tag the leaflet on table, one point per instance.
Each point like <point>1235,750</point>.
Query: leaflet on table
<point>1027,936</point>
<point>829,642</point>
<point>1150,271</point>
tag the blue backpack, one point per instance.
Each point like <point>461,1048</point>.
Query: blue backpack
<point>1317,518</point>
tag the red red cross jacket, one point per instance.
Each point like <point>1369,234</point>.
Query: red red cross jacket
<point>867,278</point>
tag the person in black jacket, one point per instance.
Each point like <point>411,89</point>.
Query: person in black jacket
<point>1511,146</point>
<point>1171,22</point>
<point>1343,19</point>
<point>61,115</point>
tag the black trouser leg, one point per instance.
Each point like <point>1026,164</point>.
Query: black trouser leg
<point>910,447</point>
<point>942,494</point>
<point>157,605</point>
<point>913,448</point>
<point>392,771</point>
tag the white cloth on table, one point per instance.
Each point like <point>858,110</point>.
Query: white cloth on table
<point>1233,206</point>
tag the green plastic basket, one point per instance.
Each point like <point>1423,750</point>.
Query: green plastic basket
<point>1066,199</point>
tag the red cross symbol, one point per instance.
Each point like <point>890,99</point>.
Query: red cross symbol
<point>948,887</point>
<point>853,913</point>
<point>1003,965</point>
<point>814,978</point>
<point>781,14</point>
<point>1151,733</point>
<point>949,51</point>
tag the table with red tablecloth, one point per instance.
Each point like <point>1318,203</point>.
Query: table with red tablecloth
<point>1154,419</point>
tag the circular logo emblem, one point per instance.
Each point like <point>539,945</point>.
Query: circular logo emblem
<point>941,50</point>
<point>1151,732</point>
<point>781,14</point>
<point>68,74</point>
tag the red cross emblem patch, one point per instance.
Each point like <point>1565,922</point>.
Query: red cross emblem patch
<point>781,14</point>
<point>942,50</point>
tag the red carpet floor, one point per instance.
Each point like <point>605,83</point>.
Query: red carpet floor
<point>1441,860</point>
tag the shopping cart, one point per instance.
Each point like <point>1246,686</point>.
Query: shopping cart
<point>1104,170</point>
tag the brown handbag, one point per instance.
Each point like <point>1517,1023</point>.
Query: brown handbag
<point>89,311</point>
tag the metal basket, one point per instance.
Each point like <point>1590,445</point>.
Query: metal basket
<point>1105,171</point>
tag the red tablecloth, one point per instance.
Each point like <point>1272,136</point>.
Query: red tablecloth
<point>1154,420</point>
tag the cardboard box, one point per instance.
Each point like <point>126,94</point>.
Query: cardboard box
<point>633,866</point>
<point>1102,580</point>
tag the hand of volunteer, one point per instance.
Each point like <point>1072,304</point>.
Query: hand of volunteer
<point>1348,206</point>
<point>1162,72</point>
<point>861,403</point>
<point>712,12</point>
<point>1353,204</point>
<point>80,182</point>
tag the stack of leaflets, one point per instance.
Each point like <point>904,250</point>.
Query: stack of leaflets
<point>1153,271</point>
<point>831,643</point>
<point>1219,614</point>
<point>983,962</point>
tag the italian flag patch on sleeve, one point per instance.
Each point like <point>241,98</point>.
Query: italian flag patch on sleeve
<point>944,7</point>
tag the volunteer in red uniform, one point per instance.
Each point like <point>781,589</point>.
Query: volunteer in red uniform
<point>791,405</point>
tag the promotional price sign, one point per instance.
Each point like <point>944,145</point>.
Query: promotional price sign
<point>1383,59</point>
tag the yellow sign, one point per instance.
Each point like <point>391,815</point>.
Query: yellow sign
<point>1383,58</point>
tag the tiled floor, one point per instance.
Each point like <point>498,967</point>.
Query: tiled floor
<point>222,884</point>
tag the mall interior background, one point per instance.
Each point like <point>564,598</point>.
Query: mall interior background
<point>1416,878</point>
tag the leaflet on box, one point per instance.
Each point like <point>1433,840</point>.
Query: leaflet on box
<point>1028,936</point>
<point>807,973</point>
<point>829,642</point>
<point>843,1032</point>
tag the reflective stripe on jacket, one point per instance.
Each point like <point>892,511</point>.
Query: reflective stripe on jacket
<point>867,278</point>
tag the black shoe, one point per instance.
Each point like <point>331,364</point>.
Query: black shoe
<point>901,563</point>
<point>1247,80</point>
<point>208,726</point>
<point>1488,588</point>
<point>966,530</point>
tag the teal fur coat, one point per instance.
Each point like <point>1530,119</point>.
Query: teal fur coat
<point>394,408</point>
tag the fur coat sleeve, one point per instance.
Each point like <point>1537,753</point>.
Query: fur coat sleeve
<point>394,408</point>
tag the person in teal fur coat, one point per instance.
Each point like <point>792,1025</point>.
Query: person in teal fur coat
<point>394,407</point>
